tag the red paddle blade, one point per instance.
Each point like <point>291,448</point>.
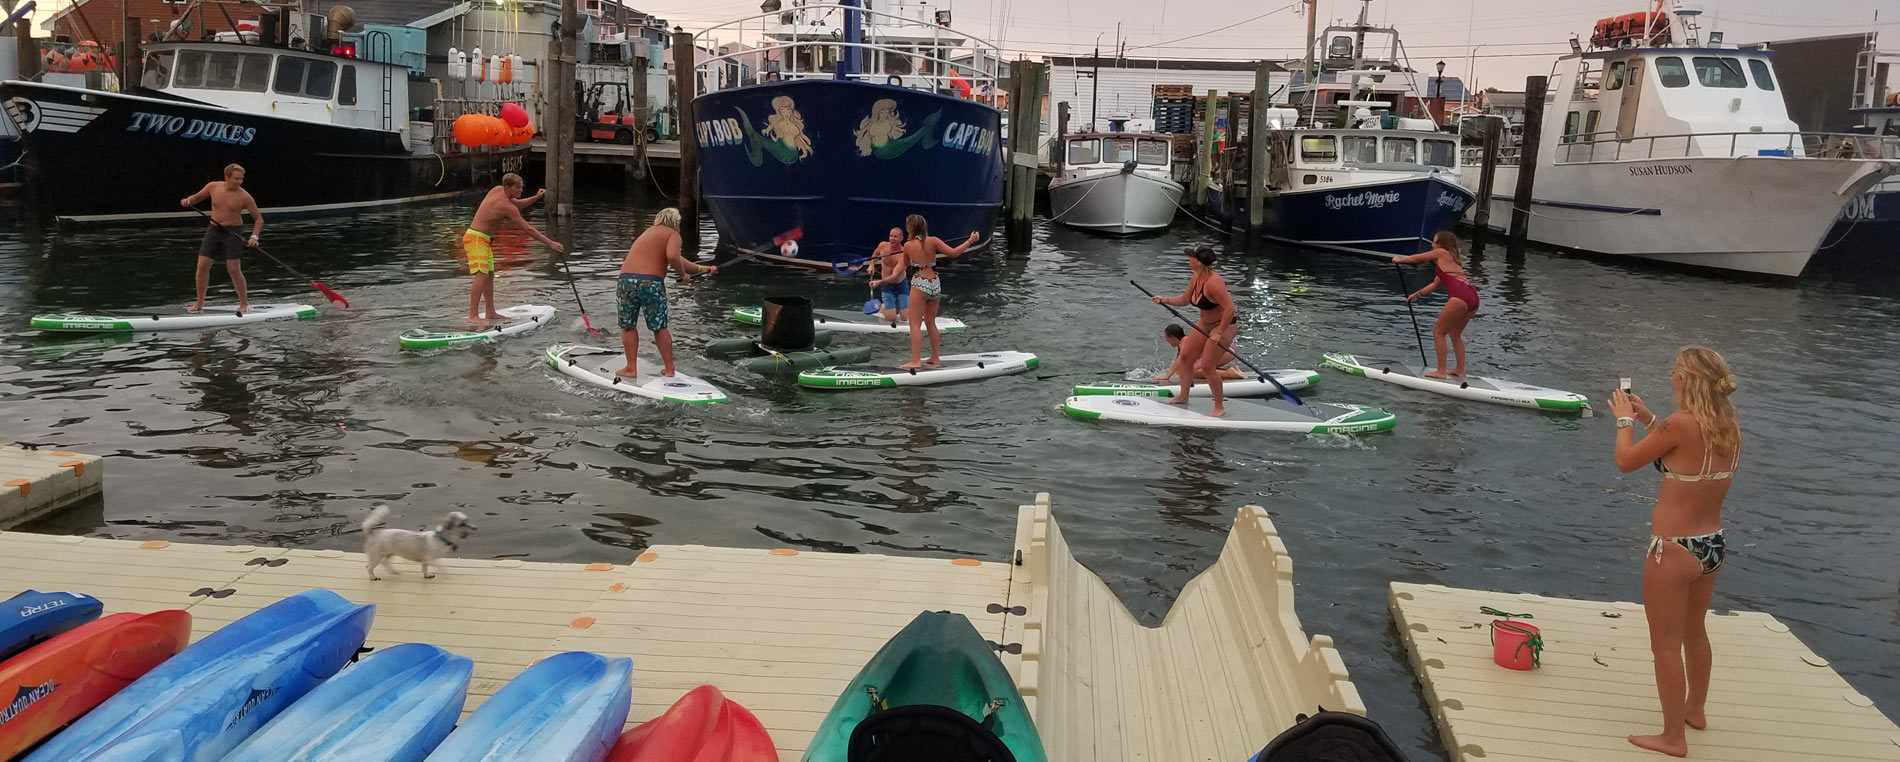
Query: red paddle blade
<point>789,235</point>
<point>590,325</point>
<point>335,298</point>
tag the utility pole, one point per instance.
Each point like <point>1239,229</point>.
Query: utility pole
<point>1095,98</point>
<point>558,123</point>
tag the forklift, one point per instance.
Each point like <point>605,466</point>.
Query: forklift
<point>607,115</point>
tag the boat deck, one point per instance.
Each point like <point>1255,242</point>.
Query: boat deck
<point>782,631</point>
<point>1770,698</point>
<point>34,483</point>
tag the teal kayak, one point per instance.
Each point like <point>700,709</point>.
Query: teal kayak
<point>935,691</point>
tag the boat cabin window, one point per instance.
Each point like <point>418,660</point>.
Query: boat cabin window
<point>208,70</point>
<point>305,76</point>
<point>1719,72</point>
<point>1764,78</point>
<point>1151,152</point>
<point>1401,150</point>
<point>1614,79</point>
<point>1441,153</point>
<point>346,87</point>
<point>1590,122</point>
<point>1118,150</point>
<point>1319,148</point>
<point>1571,120</point>
<point>1359,149</point>
<point>158,70</point>
<point>1086,151</point>
<point>1670,70</point>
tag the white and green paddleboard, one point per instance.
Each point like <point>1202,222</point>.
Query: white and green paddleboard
<point>962,367</point>
<point>1475,388</point>
<point>1242,415</point>
<point>851,322</point>
<point>521,318</point>
<point>171,319</point>
<point>597,366</point>
<point>1251,386</point>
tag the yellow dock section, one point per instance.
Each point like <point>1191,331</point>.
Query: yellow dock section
<point>782,632</point>
<point>1770,698</point>
<point>34,483</point>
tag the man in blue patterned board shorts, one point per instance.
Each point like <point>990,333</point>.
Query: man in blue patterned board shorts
<point>643,289</point>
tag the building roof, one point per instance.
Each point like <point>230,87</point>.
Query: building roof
<point>1177,64</point>
<point>1503,99</point>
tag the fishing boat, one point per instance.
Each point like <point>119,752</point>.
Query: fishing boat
<point>858,119</point>
<point>1684,153</point>
<point>318,126</point>
<point>1115,182</point>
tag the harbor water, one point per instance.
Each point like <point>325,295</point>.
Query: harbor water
<point>287,433</point>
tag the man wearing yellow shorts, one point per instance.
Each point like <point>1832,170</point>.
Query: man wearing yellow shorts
<point>502,205</point>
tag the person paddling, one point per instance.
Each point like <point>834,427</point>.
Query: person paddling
<point>223,241</point>
<point>643,289</point>
<point>1461,299</point>
<point>918,262</point>
<point>1204,351</point>
<point>501,206</point>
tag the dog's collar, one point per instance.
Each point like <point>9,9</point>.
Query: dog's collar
<point>444,540</point>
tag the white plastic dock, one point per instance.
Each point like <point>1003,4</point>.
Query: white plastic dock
<point>34,483</point>
<point>783,631</point>
<point>1770,698</point>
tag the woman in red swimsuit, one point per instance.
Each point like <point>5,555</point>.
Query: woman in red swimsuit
<point>1461,300</point>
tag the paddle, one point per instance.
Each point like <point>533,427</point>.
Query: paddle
<point>1285,393</point>
<point>589,324</point>
<point>778,240</point>
<point>336,299</point>
<point>1423,363</point>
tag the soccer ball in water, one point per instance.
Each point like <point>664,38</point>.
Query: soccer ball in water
<point>788,248</point>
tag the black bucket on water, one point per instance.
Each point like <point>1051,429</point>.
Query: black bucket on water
<point>785,323</point>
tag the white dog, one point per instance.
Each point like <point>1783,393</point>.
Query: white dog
<point>380,542</point>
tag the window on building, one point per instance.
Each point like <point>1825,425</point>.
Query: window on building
<point>1614,79</point>
<point>1085,151</point>
<point>1151,152</point>
<point>1359,149</point>
<point>1670,70</point>
<point>1719,72</point>
<point>1764,76</point>
<point>346,87</point>
<point>191,69</point>
<point>1441,153</point>
<point>1401,151</point>
<point>1319,148</point>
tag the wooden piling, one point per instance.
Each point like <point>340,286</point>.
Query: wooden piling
<point>642,115</point>
<point>686,84</point>
<point>1204,151</point>
<point>29,51</point>
<point>1025,131</point>
<point>1060,156</point>
<point>1487,179</point>
<point>563,54</point>
<point>1257,147</point>
<point>1534,91</point>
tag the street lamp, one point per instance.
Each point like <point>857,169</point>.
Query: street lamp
<point>1441,79</point>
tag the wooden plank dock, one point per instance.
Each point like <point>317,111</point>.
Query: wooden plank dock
<point>35,483</point>
<point>783,631</point>
<point>1770,697</point>
<point>665,153</point>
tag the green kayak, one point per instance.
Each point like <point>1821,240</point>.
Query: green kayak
<point>936,691</point>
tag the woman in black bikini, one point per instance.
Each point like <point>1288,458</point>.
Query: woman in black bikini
<point>1686,547</point>
<point>1206,291</point>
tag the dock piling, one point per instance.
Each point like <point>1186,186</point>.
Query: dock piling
<point>1534,91</point>
<point>1025,132</point>
<point>642,115</point>
<point>29,53</point>
<point>686,83</point>
<point>1257,148</point>
<point>1204,151</point>
<point>558,120</point>
<point>1062,128</point>
<point>1487,181</point>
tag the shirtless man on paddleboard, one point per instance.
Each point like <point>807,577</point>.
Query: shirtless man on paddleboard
<point>224,242</point>
<point>643,289</point>
<point>502,205</point>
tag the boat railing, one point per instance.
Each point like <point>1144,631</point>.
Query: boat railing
<point>1608,146</point>
<point>930,69</point>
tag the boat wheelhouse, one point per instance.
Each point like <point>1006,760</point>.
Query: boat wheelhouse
<point>1115,182</point>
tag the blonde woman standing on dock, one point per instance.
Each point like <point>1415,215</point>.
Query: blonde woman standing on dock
<point>1697,449</point>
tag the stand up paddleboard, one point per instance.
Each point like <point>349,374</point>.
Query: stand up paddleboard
<point>171,319</point>
<point>851,322</point>
<point>1246,415</point>
<point>596,366</point>
<point>1251,386</point>
<point>521,318</point>
<point>962,367</point>
<point>1475,388</point>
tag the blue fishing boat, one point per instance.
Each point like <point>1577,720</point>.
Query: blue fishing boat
<point>846,121</point>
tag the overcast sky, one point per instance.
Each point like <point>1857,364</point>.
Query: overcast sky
<point>1518,37</point>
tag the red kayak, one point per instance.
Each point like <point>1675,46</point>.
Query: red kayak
<point>55,682</point>
<point>703,726</point>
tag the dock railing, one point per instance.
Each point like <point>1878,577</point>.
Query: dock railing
<point>1602,147</point>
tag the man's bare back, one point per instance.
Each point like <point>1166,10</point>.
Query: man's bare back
<point>652,251</point>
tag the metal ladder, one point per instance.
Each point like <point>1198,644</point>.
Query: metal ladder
<point>378,46</point>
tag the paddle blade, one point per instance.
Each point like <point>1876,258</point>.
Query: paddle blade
<point>589,324</point>
<point>871,306</point>
<point>336,299</point>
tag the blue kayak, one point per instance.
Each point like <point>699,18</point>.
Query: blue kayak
<point>568,708</point>
<point>203,702</point>
<point>393,706</point>
<point>33,616</point>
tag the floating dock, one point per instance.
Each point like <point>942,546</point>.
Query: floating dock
<point>1770,698</point>
<point>35,483</point>
<point>782,632</point>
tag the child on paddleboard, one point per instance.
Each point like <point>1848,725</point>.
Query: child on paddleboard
<point>1461,300</point>
<point>501,206</point>
<point>1176,336</point>
<point>643,289</point>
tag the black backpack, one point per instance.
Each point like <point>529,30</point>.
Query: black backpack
<point>1331,737</point>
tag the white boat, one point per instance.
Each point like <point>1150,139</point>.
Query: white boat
<point>1685,154</point>
<point>1116,182</point>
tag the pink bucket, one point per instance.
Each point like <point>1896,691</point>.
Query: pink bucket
<point>1515,645</point>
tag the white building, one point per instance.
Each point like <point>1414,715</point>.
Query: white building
<point>1127,85</point>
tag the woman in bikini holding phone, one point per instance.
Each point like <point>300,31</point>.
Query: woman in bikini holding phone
<point>919,258</point>
<point>1461,299</point>
<point>1697,449</point>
